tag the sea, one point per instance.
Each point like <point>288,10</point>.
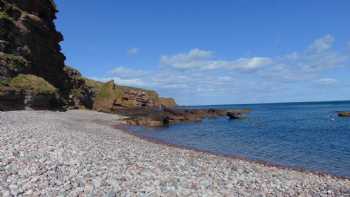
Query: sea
<point>306,135</point>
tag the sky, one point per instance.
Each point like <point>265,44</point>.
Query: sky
<point>213,52</point>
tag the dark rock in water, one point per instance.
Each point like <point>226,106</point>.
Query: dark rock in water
<point>344,114</point>
<point>236,114</point>
<point>167,116</point>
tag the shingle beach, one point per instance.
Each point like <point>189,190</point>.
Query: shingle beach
<point>79,153</point>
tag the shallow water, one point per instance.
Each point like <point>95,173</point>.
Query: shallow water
<point>302,135</point>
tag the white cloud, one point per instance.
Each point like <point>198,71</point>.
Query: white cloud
<point>133,51</point>
<point>200,74</point>
<point>195,58</point>
<point>322,44</point>
<point>205,60</point>
<point>305,65</point>
<point>124,72</point>
<point>327,81</point>
<point>122,81</point>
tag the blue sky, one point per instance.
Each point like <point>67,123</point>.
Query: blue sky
<point>213,52</point>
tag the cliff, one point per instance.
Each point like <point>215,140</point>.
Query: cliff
<point>168,102</point>
<point>32,69</point>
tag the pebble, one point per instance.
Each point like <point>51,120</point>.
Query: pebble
<point>79,153</point>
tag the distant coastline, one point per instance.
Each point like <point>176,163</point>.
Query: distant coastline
<point>267,103</point>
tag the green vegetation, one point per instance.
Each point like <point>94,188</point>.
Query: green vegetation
<point>14,62</point>
<point>6,23</point>
<point>106,96</point>
<point>3,85</point>
<point>4,15</point>
<point>4,82</point>
<point>95,85</point>
<point>108,90</point>
<point>33,83</point>
<point>152,95</point>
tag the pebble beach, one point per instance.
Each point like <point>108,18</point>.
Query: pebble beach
<point>80,153</point>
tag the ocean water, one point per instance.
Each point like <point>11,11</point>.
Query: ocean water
<point>300,135</point>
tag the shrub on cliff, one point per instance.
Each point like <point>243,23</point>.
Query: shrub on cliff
<point>11,65</point>
<point>32,83</point>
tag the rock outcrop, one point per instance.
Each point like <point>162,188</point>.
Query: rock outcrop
<point>169,116</point>
<point>168,102</point>
<point>29,46</point>
<point>80,95</point>
<point>33,74</point>
<point>111,97</point>
<point>30,53</point>
<point>28,92</point>
<point>30,42</point>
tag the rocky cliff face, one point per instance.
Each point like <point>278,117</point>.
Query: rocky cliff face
<point>31,61</point>
<point>109,97</point>
<point>30,42</point>
<point>167,102</point>
<point>30,54</point>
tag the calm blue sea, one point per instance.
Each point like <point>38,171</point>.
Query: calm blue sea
<point>302,135</point>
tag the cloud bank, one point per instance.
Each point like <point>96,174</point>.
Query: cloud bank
<point>200,76</point>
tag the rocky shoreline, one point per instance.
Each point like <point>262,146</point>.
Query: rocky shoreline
<point>125,128</point>
<point>78,153</point>
<point>165,116</point>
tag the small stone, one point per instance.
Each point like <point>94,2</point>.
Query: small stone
<point>14,189</point>
<point>111,194</point>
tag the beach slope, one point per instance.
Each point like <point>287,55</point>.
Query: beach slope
<point>79,153</point>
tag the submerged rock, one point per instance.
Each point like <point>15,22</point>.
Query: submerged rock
<point>235,114</point>
<point>344,114</point>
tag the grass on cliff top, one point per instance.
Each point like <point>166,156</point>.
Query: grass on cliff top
<point>107,90</point>
<point>106,96</point>
<point>96,85</point>
<point>32,83</point>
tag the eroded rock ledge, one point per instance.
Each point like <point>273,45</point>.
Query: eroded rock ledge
<point>168,116</point>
